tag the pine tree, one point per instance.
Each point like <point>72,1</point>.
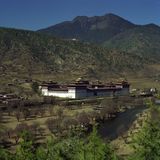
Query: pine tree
<point>41,154</point>
<point>4,155</point>
<point>25,150</point>
<point>147,142</point>
<point>96,149</point>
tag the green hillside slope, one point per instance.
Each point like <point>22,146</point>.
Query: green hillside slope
<point>143,41</point>
<point>26,52</point>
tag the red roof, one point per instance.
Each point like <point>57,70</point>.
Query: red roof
<point>109,86</point>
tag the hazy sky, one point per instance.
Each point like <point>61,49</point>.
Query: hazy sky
<point>36,14</point>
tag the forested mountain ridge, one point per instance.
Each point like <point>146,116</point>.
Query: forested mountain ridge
<point>142,40</point>
<point>130,49</point>
<point>114,33</point>
<point>95,29</point>
<point>30,52</point>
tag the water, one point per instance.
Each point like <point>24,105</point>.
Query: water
<point>111,129</point>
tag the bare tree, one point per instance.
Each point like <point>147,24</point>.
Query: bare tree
<point>9,109</point>
<point>53,125</point>
<point>35,112</point>
<point>9,132</point>
<point>83,119</point>
<point>26,113</point>
<point>1,136</point>
<point>59,112</point>
<point>69,123</point>
<point>34,128</point>
<point>93,116</point>
<point>1,116</point>
<point>40,130</point>
<point>18,114</point>
<point>18,130</point>
<point>42,111</point>
<point>51,110</point>
<point>109,108</point>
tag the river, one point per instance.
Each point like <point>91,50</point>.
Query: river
<point>111,129</point>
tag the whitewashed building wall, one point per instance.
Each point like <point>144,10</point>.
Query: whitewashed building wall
<point>70,93</point>
<point>63,94</point>
<point>74,92</point>
<point>44,91</point>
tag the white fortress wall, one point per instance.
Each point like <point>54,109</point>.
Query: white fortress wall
<point>44,91</point>
<point>63,94</point>
<point>71,93</point>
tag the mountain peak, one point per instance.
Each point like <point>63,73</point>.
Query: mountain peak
<point>80,18</point>
<point>110,15</point>
<point>96,29</point>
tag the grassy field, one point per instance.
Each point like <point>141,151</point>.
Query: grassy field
<point>143,83</point>
<point>136,80</point>
<point>10,122</point>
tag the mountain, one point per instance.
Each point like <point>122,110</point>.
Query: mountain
<point>28,54</point>
<point>95,29</point>
<point>129,49</point>
<point>143,41</point>
<point>125,50</point>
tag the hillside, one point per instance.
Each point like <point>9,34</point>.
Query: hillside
<point>114,33</point>
<point>26,55</point>
<point>142,41</point>
<point>30,53</point>
<point>95,29</point>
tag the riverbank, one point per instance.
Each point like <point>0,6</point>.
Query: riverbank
<point>123,144</point>
<point>113,128</point>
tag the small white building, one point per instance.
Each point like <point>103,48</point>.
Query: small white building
<point>84,89</point>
